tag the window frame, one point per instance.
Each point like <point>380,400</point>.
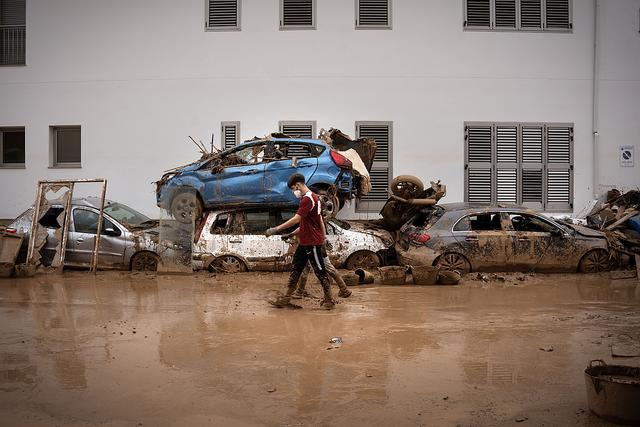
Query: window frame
<point>368,206</point>
<point>23,53</point>
<point>208,27</point>
<point>53,147</point>
<point>313,25</point>
<point>389,25</point>
<point>3,164</point>
<point>518,28</point>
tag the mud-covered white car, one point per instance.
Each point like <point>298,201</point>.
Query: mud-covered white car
<point>234,240</point>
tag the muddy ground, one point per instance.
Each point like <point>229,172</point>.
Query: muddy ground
<point>122,349</point>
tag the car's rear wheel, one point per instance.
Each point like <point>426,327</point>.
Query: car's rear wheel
<point>186,207</point>
<point>595,261</point>
<point>363,259</point>
<point>453,262</point>
<point>144,261</point>
<point>407,186</point>
<point>329,203</point>
<point>227,264</point>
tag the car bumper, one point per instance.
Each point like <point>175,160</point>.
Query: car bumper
<point>417,256</point>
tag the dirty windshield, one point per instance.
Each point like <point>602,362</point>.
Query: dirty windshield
<point>127,216</point>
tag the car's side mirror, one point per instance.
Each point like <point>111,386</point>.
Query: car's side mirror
<point>294,162</point>
<point>111,232</point>
<point>558,233</point>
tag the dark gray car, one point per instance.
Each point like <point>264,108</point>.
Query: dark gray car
<point>467,238</point>
<point>129,239</point>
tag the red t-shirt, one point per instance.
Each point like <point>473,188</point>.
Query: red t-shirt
<point>310,228</point>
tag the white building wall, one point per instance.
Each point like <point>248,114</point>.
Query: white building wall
<point>139,77</point>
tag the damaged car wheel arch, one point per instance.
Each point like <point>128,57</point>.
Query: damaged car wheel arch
<point>143,259</point>
<point>453,261</point>
<point>595,261</point>
<point>227,263</point>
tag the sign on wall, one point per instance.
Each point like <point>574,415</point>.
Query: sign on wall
<point>626,155</point>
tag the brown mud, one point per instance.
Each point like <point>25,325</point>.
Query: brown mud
<point>121,349</point>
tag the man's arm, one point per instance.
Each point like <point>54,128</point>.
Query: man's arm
<point>289,223</point>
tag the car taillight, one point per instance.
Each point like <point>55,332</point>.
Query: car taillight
<point>419,238</point>
<point>341,161</point>
<point>11,230</point>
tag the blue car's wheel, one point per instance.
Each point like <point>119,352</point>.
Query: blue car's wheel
<point>186,207</point>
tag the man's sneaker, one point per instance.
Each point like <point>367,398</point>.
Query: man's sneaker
<point>304,294</point>
<point>327,304</point>
<point>344,293</point>
<point>281,302</point>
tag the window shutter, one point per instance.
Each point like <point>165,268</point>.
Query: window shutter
<point>303,130</point>
<point>12,12</point>
<point>297,13</point>
<point>530,14</point>
<point>230,134</point>
<point>479,164</point>
<point>532,167</point>
<point>478,14</point>
<point>12,32</point>
<point>559,168</point>
<point>223,14</point>
<point>505,13</point>
<point>506,164</point>
<point>373,13</point>
<point>557,14</point>
<point>381,169</point>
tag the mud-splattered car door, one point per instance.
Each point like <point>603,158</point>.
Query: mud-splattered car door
<point>539,245</point>
<point>214,237</point>
<point>481,238</point>
<point>282,166</point>
<point>81,240</point>
<point>262,252</point>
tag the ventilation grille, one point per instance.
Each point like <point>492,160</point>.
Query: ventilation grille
<point>505,13</point>
<point>478,13</point>
<point>479,187</point>
<point>532,145</point>
<point>530,13</point>
<point>297,13</point>
<point>230,135</point>
<point>373,13</point>
<point>223,13</point>
<point>298,130</point>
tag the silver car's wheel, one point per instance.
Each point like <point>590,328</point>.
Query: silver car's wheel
<point>186,207</point>
<point>595,261</point>
<point>227,264</point>
<point>453,262</point>
<point>363,259</point>
<point>144,261</point>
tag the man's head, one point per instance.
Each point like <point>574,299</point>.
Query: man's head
<point>297,185</point>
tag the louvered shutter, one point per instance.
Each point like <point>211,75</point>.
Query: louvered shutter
<point>479,164</point>
<point>303,130</point>
<point>373,13</point>
<point>559,179</point>
<point>230,134</point>
<point>478,14</point>
<point>12,32</point>
<point>506,164</point>
<point>530,14</point>
<point>505,14</point>
<point>223,14</point>
<point>381,169</point>
<point>557,14</point>
<point>532,166</point>
<point>297,13</point>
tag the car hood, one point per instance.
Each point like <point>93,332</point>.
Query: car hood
<point>361,227</point>
<point>585,231</point>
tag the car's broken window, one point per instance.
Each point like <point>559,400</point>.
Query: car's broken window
<point>251,155</point>
<point>427,217</point>
<point>219,226</point>
<point>479,222</point>
<point>299,150</point>
<point>256,222</point>
<point>530,223</point>
<point>85,221</point>
<point>50,219</point>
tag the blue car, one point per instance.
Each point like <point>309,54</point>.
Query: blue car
<point>255,173</point>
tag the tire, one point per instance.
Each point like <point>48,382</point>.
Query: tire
<point>186,207</point>
<point>453,261</point>
<point>227,264</point>
<point>407,186</point>
<point>366,260</point>
<point>144,261</point>
<point>595,261</point>
<point>329,203</point>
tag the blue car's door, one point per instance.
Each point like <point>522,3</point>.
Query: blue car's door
<point>241,182</point>
<point>278,171</point>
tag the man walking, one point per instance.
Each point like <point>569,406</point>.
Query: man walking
<point>311,237</point>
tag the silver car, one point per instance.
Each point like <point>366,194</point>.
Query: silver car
<point>467,238</point>
<point>129,239</point>
<point>234,241</point>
